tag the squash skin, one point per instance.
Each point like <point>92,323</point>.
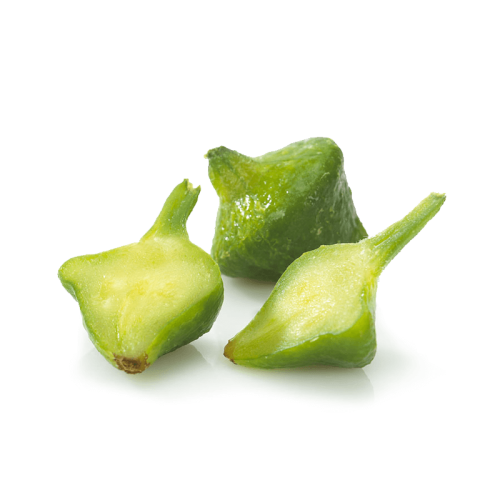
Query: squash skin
<point>275,207</point>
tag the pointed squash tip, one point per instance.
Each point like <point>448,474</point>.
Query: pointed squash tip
<point>175,212</point>
<point>131,366</point>
<point>441,196</point>
<point>229,351</point>
<point>190,188</point>
<point>219,151</point>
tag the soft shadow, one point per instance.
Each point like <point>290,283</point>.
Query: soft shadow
<point>392,368</point>
<point>322,381</point>
<point>242,300</point>
<point>186,359</point>
<point>171,366</point>
<point>391,363</point>
<point>251,289</point>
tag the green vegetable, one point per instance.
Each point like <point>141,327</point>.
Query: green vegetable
<point>143,300</point>
<point>275,207</point>
<point>322,310</point>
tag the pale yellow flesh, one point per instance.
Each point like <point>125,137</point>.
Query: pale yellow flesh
<point>129,294</point>
<point>327,296</point>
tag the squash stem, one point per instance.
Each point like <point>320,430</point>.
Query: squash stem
<point>387,244</point>
<point>175,212</point>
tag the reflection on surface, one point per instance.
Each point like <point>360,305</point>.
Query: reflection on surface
<point>392,367</point>
<point>169,367</point>
<point>324,381</point>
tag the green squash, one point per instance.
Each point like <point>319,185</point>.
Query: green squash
<point>146,299</point>
<point>275,207</point>
<point>322,310</point>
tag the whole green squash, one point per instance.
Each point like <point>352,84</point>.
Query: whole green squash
<point>275,207</point>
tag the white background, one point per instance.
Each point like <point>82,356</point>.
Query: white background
<point>106,106</point>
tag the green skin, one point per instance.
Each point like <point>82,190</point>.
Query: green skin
<point>275,207</point>
<point>322,310</point>
<point>143,300</point>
